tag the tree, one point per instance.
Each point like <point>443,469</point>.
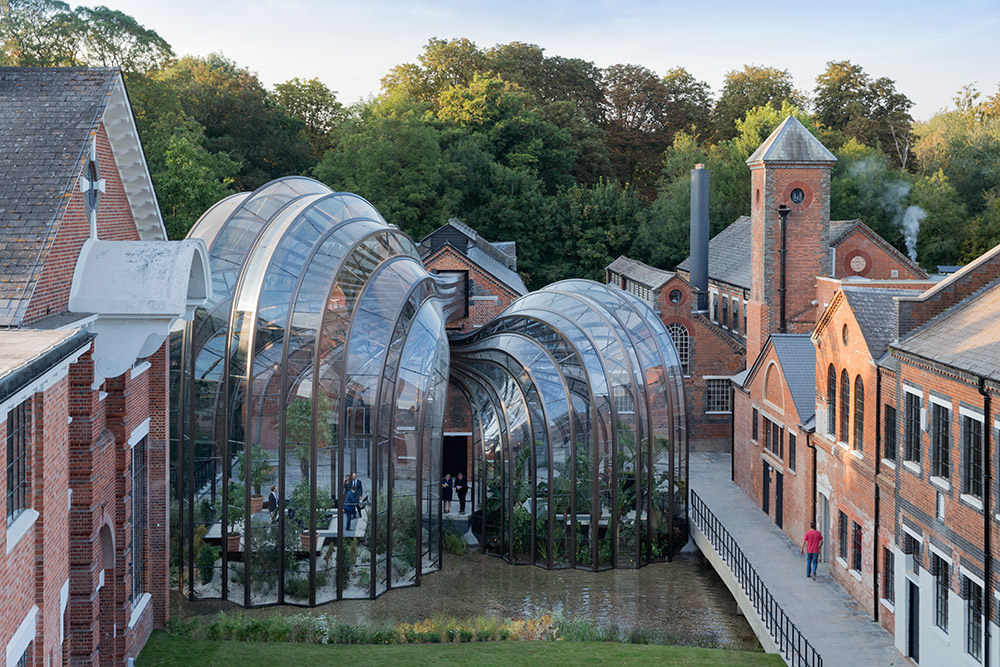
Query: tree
<point>851,103</point>
<point>747,89</point>
<point>599,225</point>
<point>110,38</point>
<point>391,155</point>
<point>311,102</point>
<point>444,63</point>
<point>38,33</point>
<point>691,107</point>
<point>636,105</point>
<point>240,118</point>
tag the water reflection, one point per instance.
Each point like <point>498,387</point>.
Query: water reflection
<point>684,598</point>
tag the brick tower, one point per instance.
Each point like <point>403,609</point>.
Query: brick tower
<point>791,169</point>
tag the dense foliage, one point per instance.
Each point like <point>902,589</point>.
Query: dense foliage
<point>576,163</point>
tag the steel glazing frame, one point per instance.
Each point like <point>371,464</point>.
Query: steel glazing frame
<point>587,370</point>
<point>296,267</point>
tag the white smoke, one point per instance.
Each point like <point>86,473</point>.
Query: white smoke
<point>876,187</point>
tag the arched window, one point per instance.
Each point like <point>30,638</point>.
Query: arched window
<point>682,343</point>
<point>831,402</point>
<point>859,414</point>
<point>845,405</point>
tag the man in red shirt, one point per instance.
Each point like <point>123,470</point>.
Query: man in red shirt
<point>811,545</point>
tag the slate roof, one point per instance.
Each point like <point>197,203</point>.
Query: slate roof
<point>644,274</point>
<point>497,259</point>
<point>965,337</point>
<point>797,357</point>
<point>46,119</point>
<point>728,255</point>
<point>875,310</point>
<point>497,269</point>
<point>791,142</point>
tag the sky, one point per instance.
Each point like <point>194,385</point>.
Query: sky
<point>931,49</point>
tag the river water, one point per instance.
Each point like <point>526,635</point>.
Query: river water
<point>684,599</point>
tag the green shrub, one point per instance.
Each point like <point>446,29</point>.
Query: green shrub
<point>207,555</point>
<point>453,543</point>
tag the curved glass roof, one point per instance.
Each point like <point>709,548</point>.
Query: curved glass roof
<point>322,353</point>
<point>579,440</point>
<point>309,398</point>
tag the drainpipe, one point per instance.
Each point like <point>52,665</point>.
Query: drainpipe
<point>987,522</point>
<point>810,445</point>
<point>878,468</point>
<point>732,432</point>
<point>783,212</point>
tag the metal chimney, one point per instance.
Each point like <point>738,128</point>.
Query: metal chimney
<point>699,236</point>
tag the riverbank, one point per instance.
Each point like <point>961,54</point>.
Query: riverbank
<point>684,599</point>
<point>164,649</point>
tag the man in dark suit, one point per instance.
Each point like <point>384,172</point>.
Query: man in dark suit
<point>272,502</point>
<point>359,491</point>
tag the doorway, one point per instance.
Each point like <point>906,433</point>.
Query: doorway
<point>455,455</point>
<point>913,623</point>
<point>779,495</point>
<point>766,500</point>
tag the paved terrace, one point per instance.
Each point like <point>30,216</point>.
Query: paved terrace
<point>830,619</point>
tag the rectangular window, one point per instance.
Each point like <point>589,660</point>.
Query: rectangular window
<point>725,311</point>
<point>941,441</point>
<point>736,316</point>
<point>972,456</point>
<point>715,307</point>
<point>718,395</point>
<point>139,486</point>
<point>791,451</point>
<point>911,435</point>
<point>774,437</point>
<point>855,546</point>
<point>842,535</point>
<point>18,432</point>
<point>888,575</point>
<point>941,593</point>
<point>755,428</point>
<point>974,620</point>
<point>889,439</point>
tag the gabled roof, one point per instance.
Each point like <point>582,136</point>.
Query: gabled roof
<point>499,260</point>
<point>641,273</point>
<point>965,337</point>
<point>48,117</point>
<point>729,255</point>
<point>791,142</point>
<point>841,230</point>
<point>797,359</point>
<point>875,312</point>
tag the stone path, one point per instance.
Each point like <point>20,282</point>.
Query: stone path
<point>833,622</point>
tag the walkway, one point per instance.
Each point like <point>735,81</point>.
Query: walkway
<point>830,619</point>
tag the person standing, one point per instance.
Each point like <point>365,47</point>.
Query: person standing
<point>359,491</point>
<point>350,507</point>
<point>272,502</point>
<point>811,544</point>
<point>461,488</point>
<point>446,486</point>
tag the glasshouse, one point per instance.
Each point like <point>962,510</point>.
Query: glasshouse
<point>577,401</point>
<point>308,399</point>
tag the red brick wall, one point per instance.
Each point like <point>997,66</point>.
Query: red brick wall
<point>806,242</point>
<point>848,474</point>
<point>487,296</point>
<point>750,455</point>
<point>114,222</point>
<point>712,352</point>
<point>878,262</point>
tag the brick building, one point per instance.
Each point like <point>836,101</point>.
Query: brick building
<point>489,270</point>
<point>89,287</point>
<point>898,441</point>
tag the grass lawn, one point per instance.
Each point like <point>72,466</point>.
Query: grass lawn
<point>164,649</point>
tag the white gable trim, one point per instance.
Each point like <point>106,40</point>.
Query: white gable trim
<point>124,139</point>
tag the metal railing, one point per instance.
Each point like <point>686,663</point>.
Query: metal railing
<point>796,649</point>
